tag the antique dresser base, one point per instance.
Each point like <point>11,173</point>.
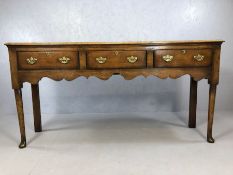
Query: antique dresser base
<point>30,62</point>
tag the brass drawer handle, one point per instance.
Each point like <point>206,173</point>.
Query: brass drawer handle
<point>31,60</point>
<point>101,60</point>
<point>168,58</point>
<point>132,59</point>
<point>199,57</point>
<point>64,60</point>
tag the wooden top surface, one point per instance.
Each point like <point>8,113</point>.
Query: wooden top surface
<point>113,43</point>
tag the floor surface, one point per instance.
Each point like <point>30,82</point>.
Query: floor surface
<point>118,144</point>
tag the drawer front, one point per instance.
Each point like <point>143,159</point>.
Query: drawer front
<point>116,59</point>
<point>183,58</point>
<point>47,60</point>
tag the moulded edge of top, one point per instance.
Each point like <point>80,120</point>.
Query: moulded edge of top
<point>114,43</point>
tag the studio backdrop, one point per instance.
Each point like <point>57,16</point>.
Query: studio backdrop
<point>116,20</point>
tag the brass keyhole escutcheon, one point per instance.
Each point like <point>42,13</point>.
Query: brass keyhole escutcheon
<point>183,51</point>
<point>116,52</point>
<point>48,53</point>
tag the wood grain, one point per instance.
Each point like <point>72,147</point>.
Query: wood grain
<point>47,60</point>
<point>183,58</point>
<point>35,76</point>
<point>116,59</point>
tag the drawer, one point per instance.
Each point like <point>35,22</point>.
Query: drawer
<point>116,59</point>
<point>183,58</point>
<point>47,60</point>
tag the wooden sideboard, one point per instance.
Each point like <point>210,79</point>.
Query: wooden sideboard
<point>30,62</point>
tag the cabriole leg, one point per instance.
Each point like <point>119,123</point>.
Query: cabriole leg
<point>212,95</point>
<point>19,105</point>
